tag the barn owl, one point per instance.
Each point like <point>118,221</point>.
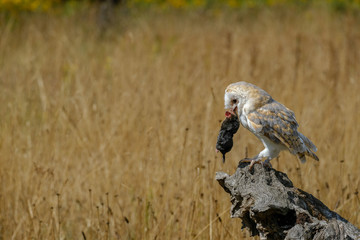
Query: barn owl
<point>273,123</point>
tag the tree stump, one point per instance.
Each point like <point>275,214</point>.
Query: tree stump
<point>271,207</point>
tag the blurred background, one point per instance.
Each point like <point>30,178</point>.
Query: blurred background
<point>110,110</point>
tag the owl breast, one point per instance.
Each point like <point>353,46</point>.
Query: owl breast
<point>243,121</point>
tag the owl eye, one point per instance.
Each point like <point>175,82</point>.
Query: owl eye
<point>234,101</point>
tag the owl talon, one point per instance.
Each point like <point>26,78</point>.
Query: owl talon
<point>254,161</point>
<point>246,160</point>
<point>267,163</point>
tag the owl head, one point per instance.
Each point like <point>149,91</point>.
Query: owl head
<point>241,93</point>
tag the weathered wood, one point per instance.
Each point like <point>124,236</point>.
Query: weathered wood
<point>271,207</point>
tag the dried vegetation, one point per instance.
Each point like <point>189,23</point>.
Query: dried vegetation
<point>111,134</point>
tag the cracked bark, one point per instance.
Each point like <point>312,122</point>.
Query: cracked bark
<point>271,207</point>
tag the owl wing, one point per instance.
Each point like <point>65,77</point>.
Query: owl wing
<point>276,122</point>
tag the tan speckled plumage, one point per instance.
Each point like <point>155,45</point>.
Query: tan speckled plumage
<point>273,123</point>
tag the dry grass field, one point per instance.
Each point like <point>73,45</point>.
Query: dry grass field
<point>112,136</point>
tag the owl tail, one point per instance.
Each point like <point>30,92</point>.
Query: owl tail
<point>310,148</point>
<point>313,155</point>
<point>302,158</point>
<point>309,144</point>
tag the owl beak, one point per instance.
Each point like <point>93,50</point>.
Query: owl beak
<point>231,112</point>
<point>234,109</point>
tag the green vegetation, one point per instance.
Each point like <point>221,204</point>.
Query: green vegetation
<point>49,5</point>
